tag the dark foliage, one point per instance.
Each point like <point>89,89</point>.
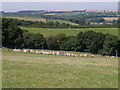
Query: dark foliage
<point>14,37</point>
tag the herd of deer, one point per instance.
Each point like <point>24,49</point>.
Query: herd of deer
<point>53,53</point>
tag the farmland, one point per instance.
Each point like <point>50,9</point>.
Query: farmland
<point>72,17</point>
<point>27,70</point>
<point>42,20</point>
<point>29,19</point>
<point>62,21</point>
<point>111,18</point>
<point>41,67</point>
<point>71,31</point>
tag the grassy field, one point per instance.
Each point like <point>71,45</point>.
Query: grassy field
<point>70,32</point>
<point>27,70</point>
<point>62,21</point>
<point>29,18</point>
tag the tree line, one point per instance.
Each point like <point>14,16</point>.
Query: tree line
<point>57,24</point>
<point>38,24</point>
<point>89,41</point>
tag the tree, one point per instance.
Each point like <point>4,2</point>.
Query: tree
<point>79,43</point>
<point>26,37</point>
<point>36,41</point>
<point>89,41</point>
<point>118,48</point>
<point>56,23</point>
<point>52,42</point>
<point>71,42</point>
<point>61,40</point>
<point>93,41</point>
<point>11,34</point>
<point>110,45</point>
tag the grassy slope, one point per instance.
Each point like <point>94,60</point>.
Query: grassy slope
<point>62,21</point>
<point>49,71</point>
<point>29,18</point>
<point>70,32</point>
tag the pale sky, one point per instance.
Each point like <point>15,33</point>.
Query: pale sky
<point>18,6</point>
<point>60,0</point>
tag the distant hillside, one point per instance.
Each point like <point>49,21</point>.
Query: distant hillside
<point>62,21</point>
<point>43,20</point>
<point>28,13</point>
<point>72,17</point>
<point>29,19</point>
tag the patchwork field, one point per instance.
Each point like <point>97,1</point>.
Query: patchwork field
<point>111,18</point>
<point>27,70</point>
<point>42,20</point>
<point>70,32</point>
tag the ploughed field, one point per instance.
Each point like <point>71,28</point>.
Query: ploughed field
<point>31,70</point>
<point>70,31</point>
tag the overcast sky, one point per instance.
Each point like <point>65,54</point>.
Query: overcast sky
<point>60,0</point>
<point>17,6</point>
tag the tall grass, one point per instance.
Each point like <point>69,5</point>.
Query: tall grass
<point>27,70</point>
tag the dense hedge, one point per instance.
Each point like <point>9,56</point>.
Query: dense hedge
<point>94,42</point>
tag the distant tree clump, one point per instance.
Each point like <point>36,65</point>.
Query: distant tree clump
<point>11,34</point>
<point>110,45</point>
<point>14,37</point>
<point>36,41</point>
<point>52,42</point>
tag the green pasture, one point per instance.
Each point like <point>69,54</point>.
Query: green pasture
<point>62,21</point>
<point>70,31</point>
<point>27,70</point>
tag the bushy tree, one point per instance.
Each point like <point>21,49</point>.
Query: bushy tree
<point>89,41</point>
<point>62,41</point>
<point>11,34</point>
<point>110,45</point>
<point>52,42</point>
<point>118,48</point>
<point>93,41</point>
<point>36,41</point>
<point>26,37</point>
<point>71,43</point>
<point>79,44</point>
<point>14,37</point>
